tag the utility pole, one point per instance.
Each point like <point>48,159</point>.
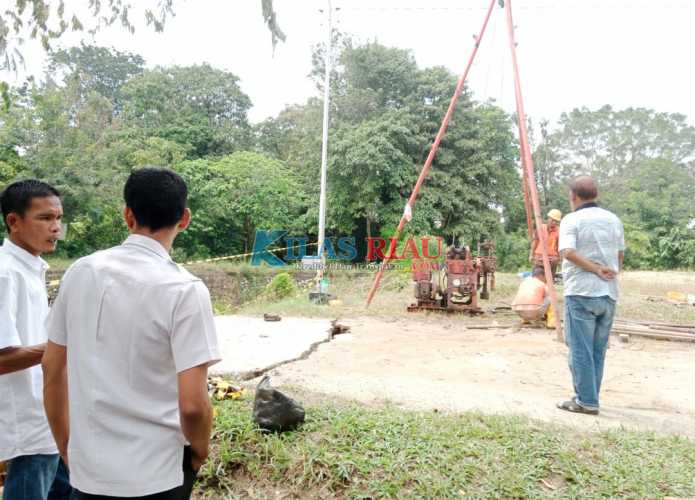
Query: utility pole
<point>324,146</point>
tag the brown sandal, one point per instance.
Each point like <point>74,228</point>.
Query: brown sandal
<point>574,407</point>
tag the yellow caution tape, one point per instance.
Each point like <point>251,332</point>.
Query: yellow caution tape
<point>215,259</point>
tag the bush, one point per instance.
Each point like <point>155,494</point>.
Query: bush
<point>639,252</point>
<point>281,286</point>
<point>676,248</point>
<point>512,252</point>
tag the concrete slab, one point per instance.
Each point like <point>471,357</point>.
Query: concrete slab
<point>251,345</point>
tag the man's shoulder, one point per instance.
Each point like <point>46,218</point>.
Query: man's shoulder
<point>9,267</point>
<point>600,213</point>
<point>568,219</point>
<point>186,275</point>
<point>611,215</point>
<point>592,213</point>
<point>90,261</point>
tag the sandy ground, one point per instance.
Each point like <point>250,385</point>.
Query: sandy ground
<point>435,363</point>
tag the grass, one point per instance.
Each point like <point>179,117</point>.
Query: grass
<point>58,263</point>
<point>643,296</point>
<point>346,450</point>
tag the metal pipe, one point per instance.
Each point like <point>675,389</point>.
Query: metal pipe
<point>324,145</point>
<point>527,164</point>
<point>433,151</point>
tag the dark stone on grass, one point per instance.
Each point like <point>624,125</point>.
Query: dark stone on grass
<point>273,411</point>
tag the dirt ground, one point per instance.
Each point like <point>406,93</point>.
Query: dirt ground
<point>430,362</point>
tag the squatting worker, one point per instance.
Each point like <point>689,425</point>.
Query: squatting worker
<point>592,244</point>
<point>31,211</point>
<point>552,232</point>
<point>136,333</point>
<point>531,301</point>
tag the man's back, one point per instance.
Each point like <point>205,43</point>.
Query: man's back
<point>531,293</point>
<point>131,319</point>
<point>598,235</point>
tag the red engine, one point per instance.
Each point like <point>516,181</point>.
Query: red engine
<point>454,285</point>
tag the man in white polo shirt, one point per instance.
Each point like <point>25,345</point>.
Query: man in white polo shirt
<point>592,244</point>
<point>137,336</point>
<point>31,212</point>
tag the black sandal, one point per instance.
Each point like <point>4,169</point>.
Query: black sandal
<point>574,407</point>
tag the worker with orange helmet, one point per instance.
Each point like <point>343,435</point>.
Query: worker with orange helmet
<point>552,231</point>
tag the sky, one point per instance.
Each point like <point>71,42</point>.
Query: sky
<point>572,53</point>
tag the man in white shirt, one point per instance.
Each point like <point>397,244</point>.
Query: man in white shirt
<point>592,244</point>
<point>136,334</point>
<point>31,211</point>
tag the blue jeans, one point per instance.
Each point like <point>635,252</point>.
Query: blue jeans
<point>588,322</point>
<point>37,477</point>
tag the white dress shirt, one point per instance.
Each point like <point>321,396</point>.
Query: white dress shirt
<point>131,320</point>
<point>23,308</point>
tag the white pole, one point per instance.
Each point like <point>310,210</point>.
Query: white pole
<point>324,147</point>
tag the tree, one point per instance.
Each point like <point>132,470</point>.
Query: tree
<point>294,137</point>
<point>368,80</point>
<point>96,69</point>
<point>197,106</point>
<point>385,114</point>
<point>474,175</point>
<point>657,195</point>
<point>48,20</point>
<point>609,143</point>
<point>371,167</point>
<point>644,162</point>
<point>232,196</point>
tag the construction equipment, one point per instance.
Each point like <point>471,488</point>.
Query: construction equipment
<point>529,187</point>
<point>453,285</point>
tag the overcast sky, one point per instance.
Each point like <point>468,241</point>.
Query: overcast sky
<point>571,52</point>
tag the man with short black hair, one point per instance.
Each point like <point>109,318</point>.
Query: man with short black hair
<point>592,244</point>
<point>31,213</point>
<point>140,335</point>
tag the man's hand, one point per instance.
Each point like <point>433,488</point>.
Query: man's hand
<point>14,359</point>
<point>55,395</point>
<point>605,273</point>
<point>196,412</point>
<point>197,461</point>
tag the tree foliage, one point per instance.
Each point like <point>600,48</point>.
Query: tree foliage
<point>48,20</point>
<point>232,196</point>
<point>644,162</point>
<point>100,113</point>
<point>199,106</point>
<point>385,112</point>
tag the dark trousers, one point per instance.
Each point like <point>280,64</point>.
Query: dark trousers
<point>182,492</point>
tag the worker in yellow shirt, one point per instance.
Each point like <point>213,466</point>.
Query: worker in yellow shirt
<point>552,231</point>
<point>532,301</point>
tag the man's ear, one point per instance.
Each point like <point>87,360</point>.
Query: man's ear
<point>12,220</point>
<point>129,217</point>
<point>185,219</point>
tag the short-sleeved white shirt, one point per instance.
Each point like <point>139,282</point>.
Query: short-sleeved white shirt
<point>23,308</point>
<point>131,319</point>
<point>597,235</point>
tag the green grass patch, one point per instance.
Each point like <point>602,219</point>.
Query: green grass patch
<point>353,451</point>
